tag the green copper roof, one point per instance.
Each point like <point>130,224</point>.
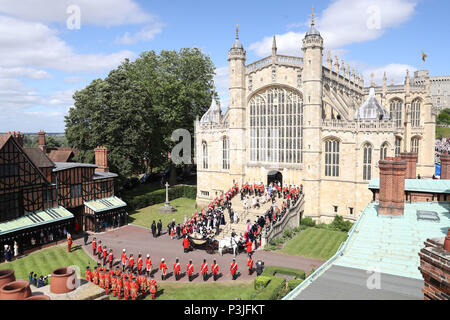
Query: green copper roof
<point>105,204</point>
<point>420,185</point>
<point>35,219</point>
<point>391,244</point>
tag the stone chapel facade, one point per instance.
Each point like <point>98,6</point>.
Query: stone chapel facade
<point>311,123</point>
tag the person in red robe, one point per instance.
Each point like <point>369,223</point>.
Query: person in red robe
<point>176,269</point>
<point>204,270</point>
<point>163,268</point>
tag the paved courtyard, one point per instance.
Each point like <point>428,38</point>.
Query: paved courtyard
<point>136,239</point>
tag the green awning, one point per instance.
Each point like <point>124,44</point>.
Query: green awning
<point>105,204</point>
<point>35,219</point>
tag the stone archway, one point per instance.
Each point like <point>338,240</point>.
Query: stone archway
<point>275,176</point>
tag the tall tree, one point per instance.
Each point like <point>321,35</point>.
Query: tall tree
<point>135,109</point>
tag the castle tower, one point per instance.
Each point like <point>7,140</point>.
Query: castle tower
<point>237,106</point>
<point>312,114</point>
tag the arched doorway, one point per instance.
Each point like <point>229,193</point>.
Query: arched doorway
<point>275,177</point>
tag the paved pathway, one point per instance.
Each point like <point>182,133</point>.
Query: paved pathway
<point>137,239</point>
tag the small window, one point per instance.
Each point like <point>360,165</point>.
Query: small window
<point>335,208</point>
<point>351,210</point>
<point>47,195</point>
<point>204,193</point>
<point>104,187</point>
<point>75,191</point>
<point>8,170</point>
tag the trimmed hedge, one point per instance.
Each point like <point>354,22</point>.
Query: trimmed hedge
<point>270,271</point>
<point>159,196</point>
<point>261,282</point>
<point>292,284</point>
<point>273,291</point>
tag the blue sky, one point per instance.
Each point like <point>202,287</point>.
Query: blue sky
<point>43,62</point>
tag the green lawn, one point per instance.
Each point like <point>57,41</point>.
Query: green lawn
<point>145,216</point>
<point>44,261</point>
<point>315,243</point>
<point>442,133</point>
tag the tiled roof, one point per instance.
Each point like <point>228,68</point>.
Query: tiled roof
<point>60,155</point>
<point>3,139</point>
<point>68,165</point>
<point>104,175</point>
<point>39,158</point>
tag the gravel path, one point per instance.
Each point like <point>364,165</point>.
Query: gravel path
<point>137,239</point>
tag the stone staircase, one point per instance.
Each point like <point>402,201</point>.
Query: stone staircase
<point>241,226</point>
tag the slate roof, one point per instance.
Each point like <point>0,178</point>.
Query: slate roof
<point>39,158</point>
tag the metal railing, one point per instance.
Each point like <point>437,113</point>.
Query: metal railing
<point>295,292</point>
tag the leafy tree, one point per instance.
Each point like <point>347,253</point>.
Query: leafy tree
<point>135,109</point>
<point>444,117</point>
<point>51,142</point>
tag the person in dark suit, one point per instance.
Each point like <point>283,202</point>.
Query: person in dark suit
<point>86,238</point>
<point>159,227</point>
<point>154,229</point>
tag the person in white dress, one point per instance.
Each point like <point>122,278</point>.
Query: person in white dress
<point>16,249</point>
<point>235,217</point>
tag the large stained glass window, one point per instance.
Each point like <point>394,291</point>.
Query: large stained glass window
<point>276,119</point>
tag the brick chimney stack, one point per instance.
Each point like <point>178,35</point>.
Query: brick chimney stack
<point>447,241</point>
<point>42,146</point>
<point>445,166</point>
<point>392,186</point>
<point>411,162</point>
<point>101,158</point>
<point>18,137</point>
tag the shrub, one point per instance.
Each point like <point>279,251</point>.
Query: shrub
<point>287,234</point>
<point>272,270</point>
<point>309,222</point>
<point>273,291</point>
<point>292,284</point>
<point>261,282</point>
<point>159,196</point>
<point>341,225</point>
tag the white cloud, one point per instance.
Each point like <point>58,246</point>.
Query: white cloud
<point>147,33</point>
<point>344,22</point>
<point>74,79</point>
<point>24,72</point>
<point>395,73</point>
<point>34,44</point>
<point>92,12</point>
<point>221,82</point>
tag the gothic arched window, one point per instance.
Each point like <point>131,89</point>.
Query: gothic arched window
<point>396,112</point>
<point>205,155</point>
<point>415,143</point>
<point>383,151</point>
<point>367,162</point>
<point>225,153</point>
<point>332,158</point>
<point>415,113</point>
<point>398,143</point>
<point>276,118</point>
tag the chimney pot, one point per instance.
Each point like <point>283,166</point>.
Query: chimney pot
<point>447,241</point>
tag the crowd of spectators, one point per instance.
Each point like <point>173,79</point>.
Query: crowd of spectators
<point>441,146</point>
